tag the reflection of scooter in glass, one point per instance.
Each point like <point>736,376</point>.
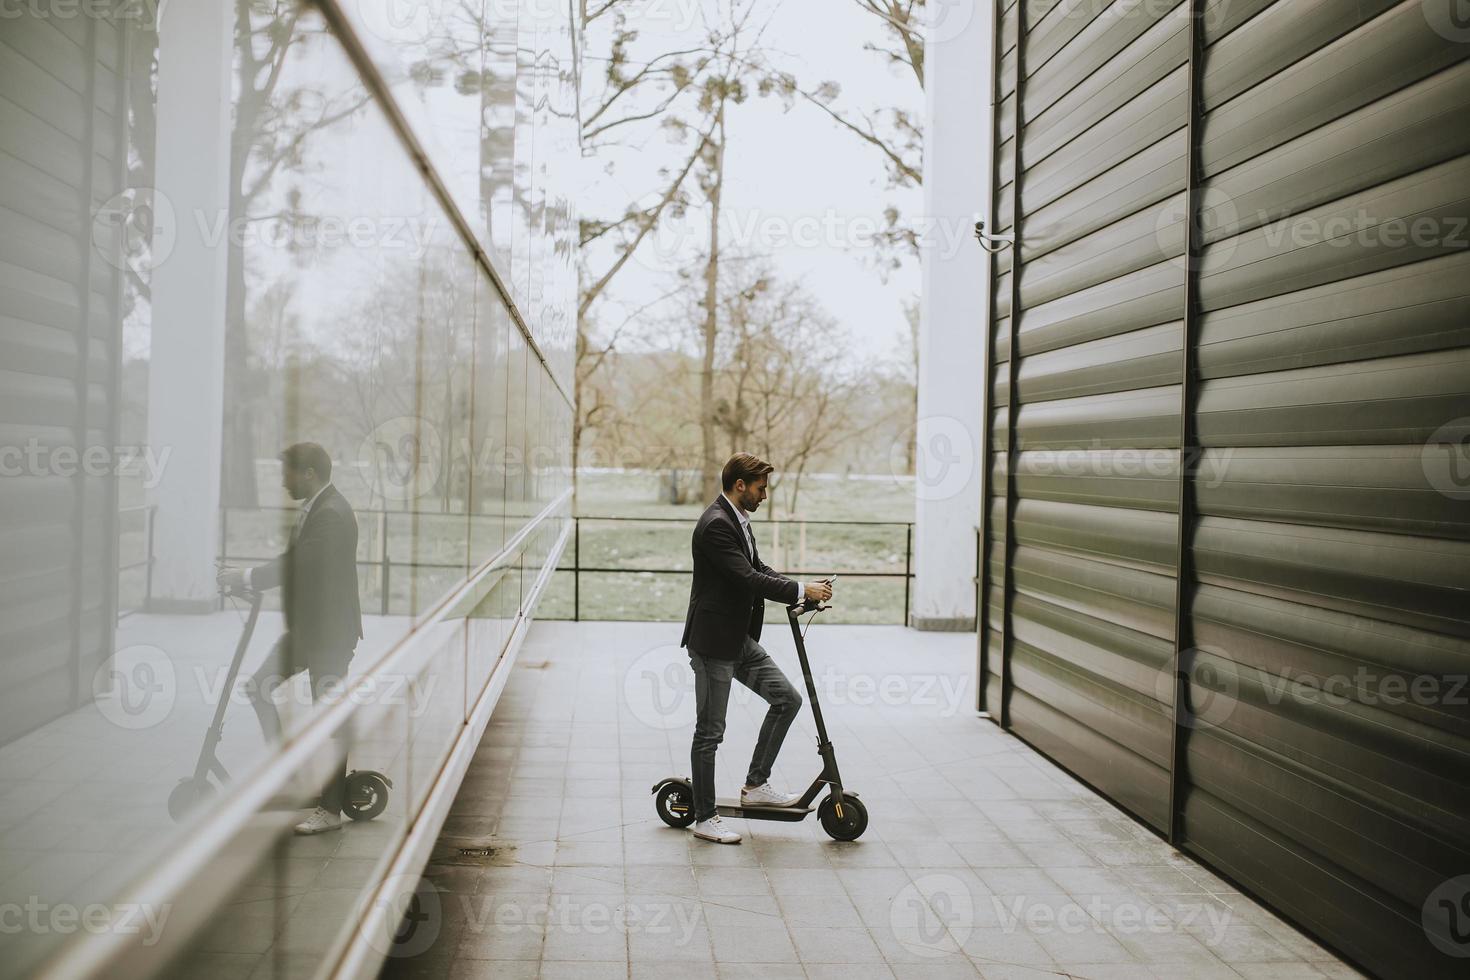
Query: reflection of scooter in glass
<point>367,789</point>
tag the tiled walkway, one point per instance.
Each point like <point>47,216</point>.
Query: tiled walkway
<point>981,858</point>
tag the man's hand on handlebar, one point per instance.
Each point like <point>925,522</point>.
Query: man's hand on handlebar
<point>819,591</point>
<point>231,580</point>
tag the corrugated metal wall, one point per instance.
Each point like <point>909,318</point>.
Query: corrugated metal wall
<point>1244,242</point>
<point>59,160</point>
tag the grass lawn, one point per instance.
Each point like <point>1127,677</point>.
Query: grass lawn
<point>644,563</point>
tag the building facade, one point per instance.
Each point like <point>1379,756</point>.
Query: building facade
<point>1228,380</point>
<point>230,228</point>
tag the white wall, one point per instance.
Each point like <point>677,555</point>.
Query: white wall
<point>952,324</point>
<point>187,354</point>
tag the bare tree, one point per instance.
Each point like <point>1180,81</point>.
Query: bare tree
<point>273,123</point>
<point>714,77</point>
<point>791,388</point>
<point>895,132</point>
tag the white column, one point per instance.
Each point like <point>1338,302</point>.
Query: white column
<point>186,361</point>
<point>953,314</point>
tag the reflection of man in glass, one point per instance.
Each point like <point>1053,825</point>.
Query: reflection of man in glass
<point>317,576</point>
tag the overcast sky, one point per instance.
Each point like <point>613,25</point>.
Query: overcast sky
<point>790,175</point>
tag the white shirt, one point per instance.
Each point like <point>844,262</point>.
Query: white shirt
<point>750,537</point>
<point>296,529</point>
<point>306,507</point>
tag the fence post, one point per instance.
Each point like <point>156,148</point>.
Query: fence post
<point>576,569</point>
<point>148,569</point>
<point>908,551</point>
<point>224,545</point>
<point>386,574</point>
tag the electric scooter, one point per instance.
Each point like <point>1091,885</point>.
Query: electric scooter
<point>841,813</point>
<point>367,790</point>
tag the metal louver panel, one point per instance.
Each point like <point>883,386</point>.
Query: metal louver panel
<point>1227,539</point>
<point>60,159</point>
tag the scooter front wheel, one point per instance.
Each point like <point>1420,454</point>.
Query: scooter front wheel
<point>845,820</point>
<point>675,805</point>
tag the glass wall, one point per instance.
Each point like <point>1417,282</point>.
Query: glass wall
<point>287,325</point>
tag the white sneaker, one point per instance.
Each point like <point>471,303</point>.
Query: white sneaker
<point>764,795</point>
<point>319,822</point>
<point>713,829</point>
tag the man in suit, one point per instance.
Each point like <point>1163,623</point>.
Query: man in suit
<point>727,607</point>
<point>317,576</point>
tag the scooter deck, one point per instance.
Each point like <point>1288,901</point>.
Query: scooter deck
<point>732,807</point>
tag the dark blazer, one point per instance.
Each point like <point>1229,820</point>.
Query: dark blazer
<point>318,580</point>
<point>727,600</point>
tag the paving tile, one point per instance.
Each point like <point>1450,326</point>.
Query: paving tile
<point>826,944</point>
<point>967,822</point>
<point>715,882</point>
<point>760,971</point>
<point>769,943</point>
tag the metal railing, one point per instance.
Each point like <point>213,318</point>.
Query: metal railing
<point>382,564</point>
<point>791,556</point>
<point>791,559</point>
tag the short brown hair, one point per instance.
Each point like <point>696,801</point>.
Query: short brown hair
<point>744,466</point>
<point>305,455</point>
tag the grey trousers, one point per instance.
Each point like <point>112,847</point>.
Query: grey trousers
<point>756,670</point>
<point>324,671</point>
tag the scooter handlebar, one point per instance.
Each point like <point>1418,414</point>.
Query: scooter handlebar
<point>804,604</point>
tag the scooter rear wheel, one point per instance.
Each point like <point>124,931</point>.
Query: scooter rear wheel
<point>850,824</point>
<point>366,797</point>
<point>187,796</point>
<point>675,805</point>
